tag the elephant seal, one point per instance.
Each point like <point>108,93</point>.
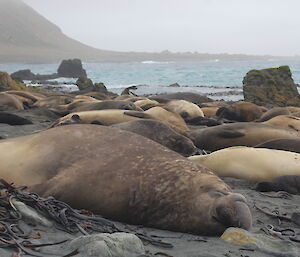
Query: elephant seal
<point>273,113</point>
<point>235,134</point>
<point>146,104</point>
<point>103,117</point>
<point>285,144</point>
<point>10,101</point>
<point>53,101</point>
<point>188,96</point>
<point>285,121</point>
<point>240,111</point>
<point>13,119</point>
<point>251,164</point>
<point>161,134</point>
<point>288,183</point>
<point>187,110</point>
<point>173,119</point>
<point>125,177</point>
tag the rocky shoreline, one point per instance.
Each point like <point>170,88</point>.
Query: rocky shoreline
<point>278,234</point>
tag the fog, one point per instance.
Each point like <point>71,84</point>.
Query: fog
<point>206,26</point>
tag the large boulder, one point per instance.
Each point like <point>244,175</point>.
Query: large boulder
<point>7,83</point>
<point>85,84</point>
<point>274,87</point>
<point>71,68</point>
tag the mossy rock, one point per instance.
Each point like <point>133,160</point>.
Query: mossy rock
<point>273,86</point>
<point>7,83</point>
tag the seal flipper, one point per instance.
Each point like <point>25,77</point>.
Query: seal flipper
<point>136,114</point>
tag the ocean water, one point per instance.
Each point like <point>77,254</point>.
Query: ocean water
<point>217,79</point>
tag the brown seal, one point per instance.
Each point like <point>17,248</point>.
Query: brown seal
<point>123,176</point>
<point>235,134</point>
<point>161,134</point>
<point>240,111</point>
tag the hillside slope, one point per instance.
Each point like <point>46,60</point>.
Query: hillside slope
<point>26,36</point>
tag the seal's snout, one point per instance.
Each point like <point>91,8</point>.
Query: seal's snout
<point>232,211</point>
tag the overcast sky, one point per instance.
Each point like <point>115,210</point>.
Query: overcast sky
<point>207,26</point>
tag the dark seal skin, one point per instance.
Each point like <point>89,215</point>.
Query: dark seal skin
<point>161,134</point>
<point>285,144</point>
<point>13,119</point>
<point>289,183</point>
<point>123,176</point>
<point>238,134</point>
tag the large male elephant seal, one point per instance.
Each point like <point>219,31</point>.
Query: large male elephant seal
<point>288,183</point>
<point>285,144</point>
<point>252,164</point>
<point>123,176</point>
<point>161,134</point>
<point>235,134</point>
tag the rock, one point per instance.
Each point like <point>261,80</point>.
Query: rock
<point>7,83</point>
<point>100,87</point>
<point>108,245</point>
<point>273,87</point>
<point>85,84</point>
<point>71,68</point>
<point>264,243</point>
<point>23,75</point>
<point>174,85</point>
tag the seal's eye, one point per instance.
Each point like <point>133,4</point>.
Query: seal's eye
<point>216,193</point>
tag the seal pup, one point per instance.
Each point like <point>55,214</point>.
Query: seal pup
<point>125,177</point>
<point>251,164</point>
<point>160,133</point>
<point>236,134</point>
<point>285,144</point>
<point>288,183</point>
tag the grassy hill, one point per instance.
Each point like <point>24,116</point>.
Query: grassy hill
<point>28,37</point>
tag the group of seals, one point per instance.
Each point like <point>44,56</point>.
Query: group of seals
<point>123,176</point>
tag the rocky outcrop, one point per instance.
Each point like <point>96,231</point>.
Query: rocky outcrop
<point>23,75</point>
<point>85,84</point>
<point>273,86</point>
<point>71,68</point>
<point>7,83</point>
